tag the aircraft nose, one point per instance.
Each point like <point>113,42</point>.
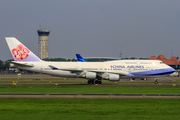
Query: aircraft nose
<point>172,70</point>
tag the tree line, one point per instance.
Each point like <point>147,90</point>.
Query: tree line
<point>4,65</point>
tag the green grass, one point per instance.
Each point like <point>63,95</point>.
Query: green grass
<point>88,109</point>
<point>89,89</point>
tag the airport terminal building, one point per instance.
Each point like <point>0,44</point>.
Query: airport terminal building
<point>173,62</point>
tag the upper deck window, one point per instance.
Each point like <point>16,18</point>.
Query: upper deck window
<point>161,62</point>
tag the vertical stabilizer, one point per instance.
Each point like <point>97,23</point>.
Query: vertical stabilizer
<point>19,51</point>
<point>80,58</point>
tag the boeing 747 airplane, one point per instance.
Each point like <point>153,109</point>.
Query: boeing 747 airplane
<point>93,71</point>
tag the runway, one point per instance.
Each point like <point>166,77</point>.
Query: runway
<point>137,83</point>
<point>78,84</point>
<point>107,96</point>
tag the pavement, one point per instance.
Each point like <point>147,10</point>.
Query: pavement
<point>107,96</point>
<point>163,82</point>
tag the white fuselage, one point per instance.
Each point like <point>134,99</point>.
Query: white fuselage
<point>124,68</point>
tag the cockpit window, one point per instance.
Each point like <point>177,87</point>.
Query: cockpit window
<point>161,62</point>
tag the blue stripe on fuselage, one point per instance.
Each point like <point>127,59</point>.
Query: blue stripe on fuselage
<point>153,72</point>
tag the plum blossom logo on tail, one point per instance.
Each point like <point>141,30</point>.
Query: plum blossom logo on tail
<point>20,52</point>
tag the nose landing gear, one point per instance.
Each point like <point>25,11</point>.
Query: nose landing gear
<point>156,80</point>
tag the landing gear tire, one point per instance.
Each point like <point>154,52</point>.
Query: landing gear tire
<point>90,82</point>
<point>156,81</point>
<point>98,82</point>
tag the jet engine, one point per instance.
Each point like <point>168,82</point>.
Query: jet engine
<point>91,75</point>
<point>114,77</point>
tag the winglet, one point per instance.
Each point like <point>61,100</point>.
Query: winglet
<point>19,51</point>
<point>79,58</point>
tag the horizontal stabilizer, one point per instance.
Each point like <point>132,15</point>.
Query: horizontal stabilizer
<point>21,64</point>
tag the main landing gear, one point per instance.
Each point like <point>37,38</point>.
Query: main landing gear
<point>98,81</point>
<point>156,80</point>
<point>90,82</point>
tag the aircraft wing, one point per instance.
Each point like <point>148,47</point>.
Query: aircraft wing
<point>80,71</point>
<point>70,69</point>
<point>96,71</point>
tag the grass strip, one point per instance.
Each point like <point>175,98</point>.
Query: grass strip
<point>90,89</point>
<point>87,109</point>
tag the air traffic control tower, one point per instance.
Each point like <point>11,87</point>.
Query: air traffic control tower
<point>43,43</point>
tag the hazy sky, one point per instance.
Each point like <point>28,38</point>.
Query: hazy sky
<point>93,28</point>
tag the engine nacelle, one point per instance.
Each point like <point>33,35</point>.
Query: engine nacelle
<point>91,75</point>
<point>114,77</point>
<point>11,65</point>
